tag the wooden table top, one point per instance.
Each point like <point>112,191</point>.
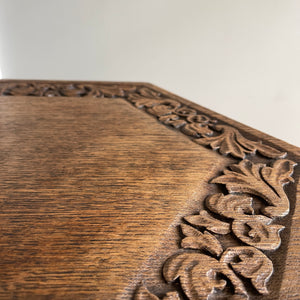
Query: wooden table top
<point>125,191</point>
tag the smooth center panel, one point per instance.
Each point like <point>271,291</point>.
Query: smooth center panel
<point>88,188</point>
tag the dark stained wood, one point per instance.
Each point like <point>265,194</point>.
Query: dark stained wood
<point>113,191</point>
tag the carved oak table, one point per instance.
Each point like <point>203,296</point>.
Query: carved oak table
<point>126,191</point>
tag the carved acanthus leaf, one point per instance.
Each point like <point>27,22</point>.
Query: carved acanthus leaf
<point>230,206</point>
<point>204,219</point>
<point>197,240</point>
<point>230,141</point>
<point>247,177</point>
<point>254,230</point>
<point>258,231</point>
<point>279,174</point>
<point>198,274</point>
<point>250,263</point>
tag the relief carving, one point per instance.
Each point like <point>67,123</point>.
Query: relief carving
<point>260,180</point>
<point>203,129</point>
<point>250,263</point>
<point>63,90</point>
<point>204,267</point>
<point>201,276</point>
<point>204,219</point>
<point>195,239</point>
<point>231,141</point>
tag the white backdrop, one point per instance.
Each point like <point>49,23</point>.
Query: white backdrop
<point>239,58</point>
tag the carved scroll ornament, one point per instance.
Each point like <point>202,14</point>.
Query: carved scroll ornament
<point>202,267</point>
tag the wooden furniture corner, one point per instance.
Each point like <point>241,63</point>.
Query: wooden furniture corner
<point>114,190</point>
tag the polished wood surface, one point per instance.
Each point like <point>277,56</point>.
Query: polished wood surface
<point>118,190</point>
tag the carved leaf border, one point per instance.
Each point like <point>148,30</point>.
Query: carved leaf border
<point>202,267</point>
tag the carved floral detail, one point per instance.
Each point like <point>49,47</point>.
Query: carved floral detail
<point>258,231</point>
<point>202,276</point>
<point>204,219</point>
<point>250,263</point>
<point>231,141</point>
<point>254,230</point>
<point>230,206</point>
<point>260,180</point>
<point>199,275</point>
<point>195,239</point>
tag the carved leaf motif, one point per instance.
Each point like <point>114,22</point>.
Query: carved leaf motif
<point>148,93</point>
<point>164,107</point>
<point>196,130</point>
<point>144,102</point>
<point>280,173</point>
<point>258,231</point>
<point>204,219</point>
<point>247,177</point>
<point>172,120</point>
<point>144,294</point>
<point>250,263</point>
<point>230,206</point>
<point>21,89</point>
<point>65,90</point>
<point>109,92</point>
<point>198,274</point>
<point>230,141</point>
<point>198,240</point>
<point>74,90</point>
<point>251,229</point>
<point>144,97</point>
<point>185,111</point>
<point>201,119</point>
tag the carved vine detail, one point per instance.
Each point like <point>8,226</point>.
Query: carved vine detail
<point>202,129</point>
<point>203,267</point>
<point>44,89</point>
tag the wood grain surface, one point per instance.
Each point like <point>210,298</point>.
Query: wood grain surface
<point>112,191</point>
